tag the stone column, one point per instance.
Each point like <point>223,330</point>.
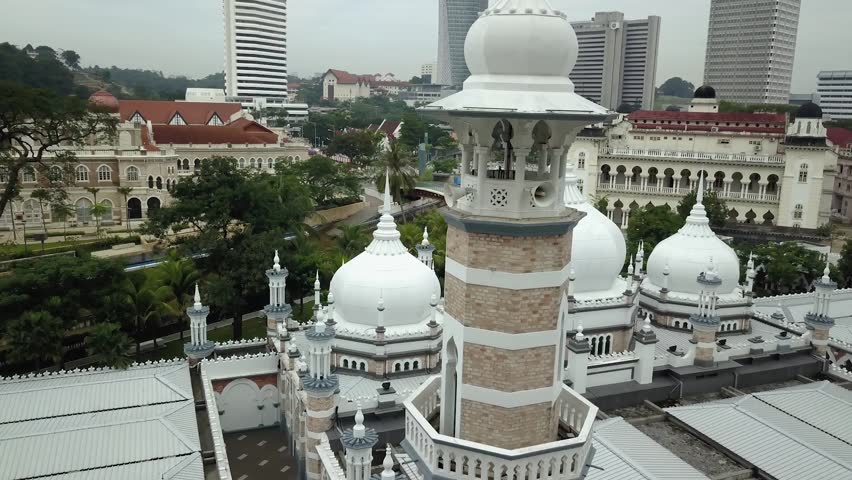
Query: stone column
<point>646,340</point>
<point>578,360</point>
<point>467,157</point>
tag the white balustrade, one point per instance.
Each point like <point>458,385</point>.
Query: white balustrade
<point>452,457</point>
<point>331,469</point>
<point>681,155</point>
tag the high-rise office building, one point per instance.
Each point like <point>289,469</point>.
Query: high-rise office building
<point>256,48</point>
<point>751,45</point>
<point>454,20</point>
<point>617,61</point>
<point>835,93</point>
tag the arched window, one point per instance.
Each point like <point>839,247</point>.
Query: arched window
<point>132,173</point>
<point>242,162</point>
<point>82,173</point>
<point>270,163</point>
<point>345,363</point>
<point>803,173</point>
<point>55,173</point>
<point>150,182</point>
<point>363,366</point>
<point>415,365</point>
<point>159,183</point>
<point>397,367</point>
<point>29,175</point>
<point>298,158</point>
<point>677,324</point>
<point>104,173</point>
<point>407,366</point>
<point>186,164</point>
<point>581,161</point>
<point>253,163</point>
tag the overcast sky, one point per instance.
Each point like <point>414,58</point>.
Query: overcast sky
<point>369,36</point>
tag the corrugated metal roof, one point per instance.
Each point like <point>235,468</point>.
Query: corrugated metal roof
<point>137,423</point>
<point>793,433</point>
<point>623,452</point>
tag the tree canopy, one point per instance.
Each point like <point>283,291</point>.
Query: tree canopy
<point>782,268</point>
<point>323,179</point>
<point>44,70</point>
<point>677,87</point>
<point>360,146</point>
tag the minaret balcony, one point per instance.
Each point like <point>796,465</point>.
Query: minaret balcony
<point>500,194</point>
<point>451,457</point>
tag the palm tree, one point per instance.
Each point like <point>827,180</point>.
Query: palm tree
<point>125,191</point>
<point>399,165</point>
<point>35,337</point>
<point>179,276</point>
<point>42,195</point>
<point>108,342</point>
<point>94,191</point>
<point>63,211</point>
<point>146,306</point>
<point>98,211</point>
<point>353,240</point>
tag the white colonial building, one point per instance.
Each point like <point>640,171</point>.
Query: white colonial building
<point>767,170</point>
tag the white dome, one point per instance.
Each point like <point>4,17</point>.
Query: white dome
<point>386,271</point>
<point>521,37</point>
<point>689,252</point>
<point>598,247</point>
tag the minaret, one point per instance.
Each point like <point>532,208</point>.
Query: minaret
<point>330,300</point>
<point>819,318</point>
<point>317,299</point>
<point>278,311</point>
<point>510,222</point>
<point>198,347</point>
<point>645,348</point>
<point>751,273</point>
<point>359,442</point>
<point>425,250</point>
<point>320,386</point>
<point>706,322</point>
<point>664,292</point>
<point>380,323</point>
<point>640,261</point>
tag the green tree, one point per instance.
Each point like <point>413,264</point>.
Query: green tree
<point>324,179</point>
<point>42,196</point>
<point>360,146</point>
<point>44,71</point>
<point>352,241</point>
<point>179,276</point>
<point>716,207</point>
<point>62,211</point>
<point>147,307</point>
<point>125,192</point>
<point>72,59</point>
<point>628,107</point>
<point>782,268</point>
<point>99,210</point>
<point>844,265</point>
<point>412,132</point>
<point>34,121</point>
<point>411,234</point>
<point>446,165</point>
<point>402,170</point>
<point>35,338</point>
<point>601,203</point>
<point>677,87</point>
<point>651,225</point>
<point>111,345</point>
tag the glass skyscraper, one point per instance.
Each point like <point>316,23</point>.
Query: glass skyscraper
<point>455,19</point>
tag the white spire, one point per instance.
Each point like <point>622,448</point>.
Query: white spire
<point>826,278</point>
<point>359,430</point>
<point>386,237</point>
<point>276,262</point>
<point>425,241</point>
<point>697,223</point>
<point>380,306</point>
<point>387,473</point>
<point>197,298</point>
<point>630,266</point>
<point>317,282</point>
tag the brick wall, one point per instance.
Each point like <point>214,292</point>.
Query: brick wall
<point>509,254</point>
<point>518,427</point>
<point>499,309</point>
<point>507,370</point>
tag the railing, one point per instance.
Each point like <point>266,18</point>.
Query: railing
<point>109,153</point>
<point>677,191</point>
<point>598,360</point>
<point>331,469</point>
<point>699,156</point>
<point>452,457</point>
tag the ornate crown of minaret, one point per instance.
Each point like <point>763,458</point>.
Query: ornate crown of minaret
<point>199,346</point>
<point>278,311</point>
<point>819,319</point>
<point>705,323</point>
<point>425,250</point>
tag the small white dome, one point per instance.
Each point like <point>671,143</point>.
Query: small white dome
<point>689,252</point>
<point>598,247</point>
<point>386,271</point>
<point>521,37</point>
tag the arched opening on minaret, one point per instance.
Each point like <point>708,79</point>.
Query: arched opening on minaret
<point>501,166</point>
<point>449,403</point>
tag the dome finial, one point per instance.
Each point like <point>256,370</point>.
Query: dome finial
<point>276,265</point>
<point>646,326</point>
<point>826,274</point>
<point>579,336</point>
<point>699,197</point>
<point>359,430</point>
<point>197,298</point>
<point>387,464</point>
<point>425,241</point>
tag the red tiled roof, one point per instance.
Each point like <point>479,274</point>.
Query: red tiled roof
<point>239,132</point>
<point>146,140</point>
<point>346,78</point>
<point>709,117</point>
<point>161,112</point>
<point>389,128</point>
<point>840,136</point>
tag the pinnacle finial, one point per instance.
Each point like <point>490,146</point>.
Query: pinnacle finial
<point>358,430</point>
<point>386,208</point>
<point>197,298</point>
<point>826,274</point>
<point>276,262</point>
<point>646,326</point>
<point>317,282</point>
<point>425,242</point>
<point>572,274</point>
<point>387,464</point>
<point>699,199</point>
<point>579,336</point>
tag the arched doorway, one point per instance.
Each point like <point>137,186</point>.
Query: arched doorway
<point>153,204</point>
<point>84,210</point>
<point>134,209</point>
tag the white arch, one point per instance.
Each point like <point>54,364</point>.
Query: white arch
<point>132,173</point>
<point>81,173</point>
<point>239,403</point>
<point>104,173</point>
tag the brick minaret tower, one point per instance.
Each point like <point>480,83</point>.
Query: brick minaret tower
<point>320,386</point>
<point>818,319</point>
<point>509,237</point>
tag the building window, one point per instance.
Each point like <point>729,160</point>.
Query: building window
<point>270,164</point>
<point>215,120</point>
<point>82,173</point>
<point>132,174</point>
<point>137,119</point>
<point>104,173</point>
<point>581,161</point>
<point>638,137</point>
<point>4,177</point>
<point>29,175</point>
<point>150,182</point>
<point>177,120</point>
<point>724,141</point>
<point>798,213</point>
<point>55,173</point>
<point>803,173</point>
<point>242,163</point>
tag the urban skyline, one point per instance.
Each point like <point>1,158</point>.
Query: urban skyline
<point>318,40</point>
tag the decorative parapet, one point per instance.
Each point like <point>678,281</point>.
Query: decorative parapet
<point>618,357</point>
<point>330,466</point>
<point>450,457</point>
<point>839,373</point>
<point>237,366</point>
<point>238,344</point>
<point>222,465</point>
<point>79,371</point>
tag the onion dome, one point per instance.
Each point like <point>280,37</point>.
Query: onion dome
<point>686,252</point>
<point>705,91</point>
<point>598,247</point>
<point>809,110</point>
<point>385,270</point>
<point>103,101</point>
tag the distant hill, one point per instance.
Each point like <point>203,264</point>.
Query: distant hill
<point>59,71</point>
